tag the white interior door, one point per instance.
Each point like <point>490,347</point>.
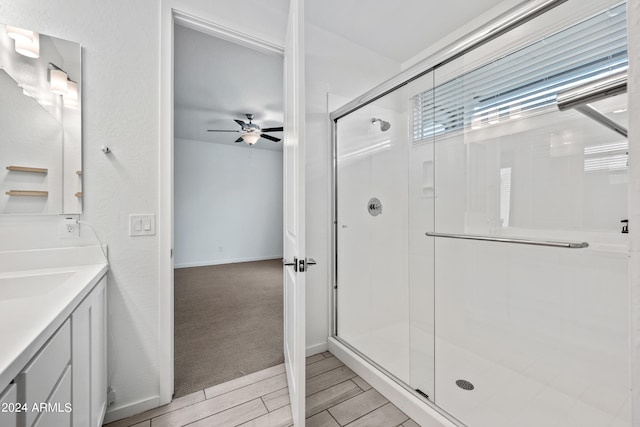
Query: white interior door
<point>294,224</point>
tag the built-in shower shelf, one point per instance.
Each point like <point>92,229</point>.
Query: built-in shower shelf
<point>30,193</point>
<point>27,169</point>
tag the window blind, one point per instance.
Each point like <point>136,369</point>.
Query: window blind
<point>526,81</point>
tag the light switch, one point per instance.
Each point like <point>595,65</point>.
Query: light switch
<point>142,224</point>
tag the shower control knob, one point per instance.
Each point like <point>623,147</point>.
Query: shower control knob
<point>374,206</point>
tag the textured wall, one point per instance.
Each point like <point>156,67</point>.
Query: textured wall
<point>120,42</point>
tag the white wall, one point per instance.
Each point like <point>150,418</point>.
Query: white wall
<point>228,203</point>
<point>120,43</point>
<point>121,98</point>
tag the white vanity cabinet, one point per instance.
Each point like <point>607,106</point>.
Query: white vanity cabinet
<point>89,356</point>
<point>40,378</point>
<point>8,399</point>
<point>65,382</point>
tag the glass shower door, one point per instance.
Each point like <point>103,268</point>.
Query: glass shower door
<point>531,322</point>
<point>379,314</point>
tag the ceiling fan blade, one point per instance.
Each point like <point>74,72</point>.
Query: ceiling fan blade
<point>280,129</point>
<point>221,130</point>
<point>239,140</point>
<point>269,137</point>
<point>240,122</point>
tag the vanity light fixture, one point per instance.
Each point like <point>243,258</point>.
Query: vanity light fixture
<point>57,80</point>
<point>28,46</point>
<point>19,33</point>
<point>250,137</point>
<point>71,97</point>
<point>61,84</point>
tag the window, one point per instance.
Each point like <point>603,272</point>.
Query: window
<point>526,81</point>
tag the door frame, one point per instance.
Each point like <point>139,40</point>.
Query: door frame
<point>172,13</point>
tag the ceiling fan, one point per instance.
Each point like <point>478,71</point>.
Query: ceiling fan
<point>251,132</point>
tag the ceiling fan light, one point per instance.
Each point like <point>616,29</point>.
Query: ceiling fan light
<point>250,138</point>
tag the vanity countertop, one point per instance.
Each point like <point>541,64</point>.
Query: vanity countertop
<point>35,302</point>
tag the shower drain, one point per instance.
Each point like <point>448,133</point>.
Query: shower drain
<point>465,385</point>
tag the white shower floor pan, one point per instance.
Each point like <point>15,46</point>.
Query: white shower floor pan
<point>574,396</point>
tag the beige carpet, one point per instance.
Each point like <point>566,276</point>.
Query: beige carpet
<point>228,322</point>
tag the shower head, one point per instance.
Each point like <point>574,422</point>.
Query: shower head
<point>384,126</point>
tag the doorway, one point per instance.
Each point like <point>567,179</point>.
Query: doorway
<point>227,210</point>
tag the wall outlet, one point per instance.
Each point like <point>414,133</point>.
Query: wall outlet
<point>69,227</point>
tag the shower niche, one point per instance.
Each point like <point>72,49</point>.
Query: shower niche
<point>494,287</point>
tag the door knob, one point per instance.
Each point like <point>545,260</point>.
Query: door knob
<point>294,263</point>
<point>305,263</point>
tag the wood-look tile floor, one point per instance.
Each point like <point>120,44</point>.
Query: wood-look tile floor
<point>336,397</point>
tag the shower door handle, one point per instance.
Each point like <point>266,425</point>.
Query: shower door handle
<point>555,244</point>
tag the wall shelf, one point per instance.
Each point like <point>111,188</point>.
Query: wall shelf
<point>30,193</point>
<point>27,169</point>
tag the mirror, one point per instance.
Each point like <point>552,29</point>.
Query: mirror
<point>41,138</point>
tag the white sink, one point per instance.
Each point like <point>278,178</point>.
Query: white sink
<point>18,287</point>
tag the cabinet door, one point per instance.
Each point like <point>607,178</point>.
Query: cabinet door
<point>99,354</point>
<point>38,379</point>
<point>81,363</point>
<point>90,358</point>
<point>8,398</point>
<point>57,412</point>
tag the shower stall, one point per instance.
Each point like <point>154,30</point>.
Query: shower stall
<point>480,208</point>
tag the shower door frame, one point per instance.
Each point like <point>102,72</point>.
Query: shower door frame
<point>499,26</point>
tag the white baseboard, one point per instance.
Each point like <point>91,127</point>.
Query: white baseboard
<point>411,405</point>
<point>131,409</point>
<point>316,348</point>
<point>225,261</point>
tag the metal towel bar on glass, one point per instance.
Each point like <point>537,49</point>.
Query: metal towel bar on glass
<point>569,245</point>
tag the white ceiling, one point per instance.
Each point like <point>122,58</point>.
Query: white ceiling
<point>397,29</point>
<point>217,81</point>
